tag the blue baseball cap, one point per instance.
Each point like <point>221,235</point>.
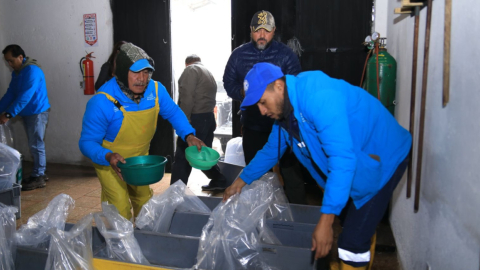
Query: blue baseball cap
<point>141,65</point>
<point>257,80</point>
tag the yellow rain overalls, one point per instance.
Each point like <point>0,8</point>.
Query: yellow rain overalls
<point>133,139</point>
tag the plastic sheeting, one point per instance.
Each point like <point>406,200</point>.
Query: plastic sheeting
<point>6,136</point>
<point>231,238</point>
<point>118,234</point>
<point>71,250</point>
<point>156,215</point>
<point>279,208</point>
<point>9,162</point>
<point>234,152</point>
<point>8,225</point>
<point>35,232</point>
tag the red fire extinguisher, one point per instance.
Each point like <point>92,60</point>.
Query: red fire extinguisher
<point>86,67</point>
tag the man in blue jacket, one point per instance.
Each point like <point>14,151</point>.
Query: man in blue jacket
<point>120,121</point>
<point>27,97</point>
<point>349,142</point>
<point>255,127</point>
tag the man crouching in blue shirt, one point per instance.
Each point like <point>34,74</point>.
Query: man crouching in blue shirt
<point>349,142</point>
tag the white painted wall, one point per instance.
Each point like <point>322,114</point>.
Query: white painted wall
<point>52,32</point>
<point>381,16</point>
<point>445,233</point>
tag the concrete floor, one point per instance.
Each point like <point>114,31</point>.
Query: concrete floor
<point>82,185</point>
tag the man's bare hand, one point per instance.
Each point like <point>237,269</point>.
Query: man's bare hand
<point>192,140</point>
<point>235,188</point>
<point>3,119</point>
<point>113,159</point>
<point>322,237</point>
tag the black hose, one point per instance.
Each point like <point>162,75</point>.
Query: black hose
<point>81,66</point>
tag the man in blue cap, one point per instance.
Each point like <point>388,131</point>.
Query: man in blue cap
<point>349,142</point>
<point>120,121</point>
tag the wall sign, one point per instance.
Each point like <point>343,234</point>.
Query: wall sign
<point>90,29</point>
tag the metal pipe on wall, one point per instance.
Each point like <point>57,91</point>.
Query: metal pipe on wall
<point>422,107</point>
<point>413,97</point>
<point>446,52</point>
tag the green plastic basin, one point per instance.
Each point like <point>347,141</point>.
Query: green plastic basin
<point>203,160</point>
<point>143,170</point>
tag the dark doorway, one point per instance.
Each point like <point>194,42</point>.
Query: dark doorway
<point>147,25</point>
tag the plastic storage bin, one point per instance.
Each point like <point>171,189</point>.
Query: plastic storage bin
<point>12,197</point>
<point>301,213</point>
<point>230,171</point>
<point>289,233</point>
<point>167,251</point>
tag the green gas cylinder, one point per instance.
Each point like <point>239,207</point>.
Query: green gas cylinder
<point>387,73</point>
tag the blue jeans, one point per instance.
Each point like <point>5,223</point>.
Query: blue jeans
<point>35,126</point>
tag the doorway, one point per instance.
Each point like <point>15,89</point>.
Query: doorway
<point>203,27</point>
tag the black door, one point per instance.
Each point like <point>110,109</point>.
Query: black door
<point>146,24</point>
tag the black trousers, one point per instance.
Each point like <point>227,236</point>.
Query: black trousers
<point>204,125</point>
<point>359,225</point>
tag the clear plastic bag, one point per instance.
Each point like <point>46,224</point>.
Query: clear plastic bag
<point>8,225</point>
<point>9,162</point>
<point>35,232</point>
<point>71,250</point>
<point>279,208</point>
<point>6,136</point>
<point>156,215</point>
<point>231,238</point>
<point>118,233</point>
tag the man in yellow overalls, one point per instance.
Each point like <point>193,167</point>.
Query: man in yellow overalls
<point>120,121</point>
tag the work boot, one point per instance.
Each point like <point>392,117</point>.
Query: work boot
<point>372,250</point>
<point>215,185</point>
<point>32,183</point>
<point>344,266</point>
<point>45,177</point>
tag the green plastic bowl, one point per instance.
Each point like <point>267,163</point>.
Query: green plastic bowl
<point>203,160</point>
<point>143,170</point>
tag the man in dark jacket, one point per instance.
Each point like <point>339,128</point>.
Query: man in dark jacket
<point>27,97</point>
<point>256,128</point>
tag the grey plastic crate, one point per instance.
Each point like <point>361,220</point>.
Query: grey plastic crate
<point>301,213</point>
<point>176,251</point>
<point>181,252</point>
<point>12,196</point>
<point>35,259</point>
<point>289,233</point>
<point>30,259</point>
<point>230,171</point>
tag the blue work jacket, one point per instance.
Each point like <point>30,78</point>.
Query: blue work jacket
<point>102,119</point>
<point>340,126</point>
